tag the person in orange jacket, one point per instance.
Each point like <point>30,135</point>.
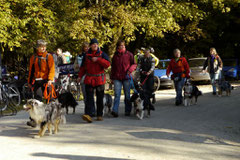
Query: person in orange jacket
<point>41,71</point>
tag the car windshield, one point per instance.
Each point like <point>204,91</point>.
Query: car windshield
<point>163,64</point>
<point>196,62</point>
<point>229,63</point>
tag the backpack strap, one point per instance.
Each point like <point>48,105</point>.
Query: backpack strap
<point>40,59</point>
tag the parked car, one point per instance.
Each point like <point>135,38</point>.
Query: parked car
<point>231,68</point>
<point>196,66</point>
<point>160,72</point>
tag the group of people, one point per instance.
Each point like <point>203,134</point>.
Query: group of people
<point>91,63</point>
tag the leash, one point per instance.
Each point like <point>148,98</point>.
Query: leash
<point>132,83</point>
<point>145,80</point>
<point>51,94</point>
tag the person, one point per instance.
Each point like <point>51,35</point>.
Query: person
<point>180,69</point>
<point>213,65</point>
<point>61,57</point>
<point>146,66</point>
<point>41,71</point>
<point>55,58</point>
<point>123,64</point>
<point>77,64</point>
<point>93,65</point>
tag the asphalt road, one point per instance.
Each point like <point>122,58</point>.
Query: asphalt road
<point>209,130</point>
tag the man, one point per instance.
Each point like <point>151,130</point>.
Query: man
<point>123,64</point>
<point>41,71</point>
<point>146,66</point>
<point>93,65</point>
<point>180,68</point>
<point>214,67</point>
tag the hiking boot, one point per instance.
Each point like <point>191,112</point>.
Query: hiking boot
<point>114,114</point>
<point>32,123</point>
<point>87,118</point>
<point>214,93</point>
<point>99,118</point>
<point>152,107</point>
<point>177,103</point>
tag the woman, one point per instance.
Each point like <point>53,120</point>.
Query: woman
<point>213,65</point>
<point>123,64</point>
<point>180,69</point>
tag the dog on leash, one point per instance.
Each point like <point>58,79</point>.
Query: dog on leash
<point>107,104</point>
<point>47,115</point>
<point>224,85</point>
<point>67,99</point>
<point>190,91</point>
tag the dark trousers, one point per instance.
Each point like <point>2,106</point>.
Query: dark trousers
<point>39,89</point>
<point>148,90</point>
<point>90,107</point>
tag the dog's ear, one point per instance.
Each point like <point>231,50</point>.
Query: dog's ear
<point>134,97</point>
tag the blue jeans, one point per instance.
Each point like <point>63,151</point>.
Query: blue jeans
<point>214,77</point>
<point>117,94</point>
<point>178,88</point>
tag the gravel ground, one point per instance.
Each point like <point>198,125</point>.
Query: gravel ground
<point>209,130</point>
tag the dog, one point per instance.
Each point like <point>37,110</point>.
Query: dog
<point>190,91</point>
<point>107,104</point>
<point>47,115</point>
<point>224,85</point>
<point>67,99</point>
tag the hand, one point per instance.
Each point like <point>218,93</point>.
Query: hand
<point>148,73</point>
<point>79,80</point>
<point>203,71</point>
<point>94,59</point>
<point>49,83</point>
<point>168,75</point>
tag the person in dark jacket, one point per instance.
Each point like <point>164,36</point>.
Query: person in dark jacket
<point>214,65</point>
<point>145,68</point>
<point>93,65</point>
<point>180,69</point>
<point>123,64</point>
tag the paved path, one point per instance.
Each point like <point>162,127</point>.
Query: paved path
<point>209,130</point>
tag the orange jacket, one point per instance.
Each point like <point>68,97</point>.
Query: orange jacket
<point>46,70</point>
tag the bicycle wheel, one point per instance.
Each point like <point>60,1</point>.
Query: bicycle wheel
<point>156,83</point>
<point>14,95</point>
<point>3,101</point>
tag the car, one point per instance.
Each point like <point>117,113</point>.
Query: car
<point>231,68</point>
<point>160,72</point>
<point>196,67</point>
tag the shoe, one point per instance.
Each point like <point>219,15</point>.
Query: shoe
<point>99,118</point>
<point>32,123</point>
<point>214,93</point>
<point>152,107</point>
<point>153,99</point>
<point>87,118</point>
<point>114,114</point>
<point>177,103</point>
<point>127,114</point>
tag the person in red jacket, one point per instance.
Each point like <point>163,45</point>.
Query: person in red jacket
<point>180,69</point>
<point>93,65</point>
<point>123,64</point>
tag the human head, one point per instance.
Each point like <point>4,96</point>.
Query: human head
<point>59,51</point>
<point>85,47</point>
<point>177,53</point>
<point>94,44</point>
<point>213,51</point>
<point>121,45</point>
<point>147,52</point>
<point>41,46</point>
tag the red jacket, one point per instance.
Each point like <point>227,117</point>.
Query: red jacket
<point>181,66</point>
<point>121,64</point>
<point>94,70</point>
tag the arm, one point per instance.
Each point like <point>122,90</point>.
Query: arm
<point>220,63</point>
<point>153,66</point>
<point>104,61</point>
<point>133,64</point>
<point>186,67</point>
<point>205,64</point>
<point>51,67</point>
<point>82,70</point>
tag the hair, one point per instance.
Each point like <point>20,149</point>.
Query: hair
<point>214,50</point>
<point>41,42</point>
<point>176,50</point>
<point>85,44</point>
<point>120,42</point>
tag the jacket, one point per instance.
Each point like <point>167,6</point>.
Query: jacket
<point>42,68</point>
<point>94,70</point>
<point>121,64</point>
<point>181,66</point>
<point>146,64</point>
<point>214,65</point>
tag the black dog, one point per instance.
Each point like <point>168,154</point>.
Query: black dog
<point>67,99</point>
<point>190,91</point>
